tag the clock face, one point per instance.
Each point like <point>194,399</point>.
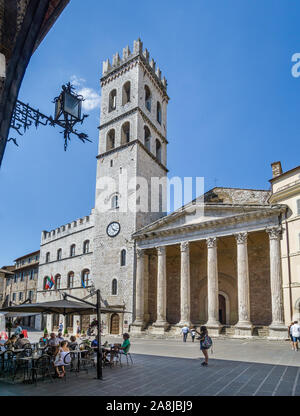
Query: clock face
<point>113,229</point>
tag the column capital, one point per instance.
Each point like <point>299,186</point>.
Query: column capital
<point>184,246</point>
<point>274,232</point>
<point>140,253</point>
<point>161,250</point>
<point>241,238</point>
<point>211,242</point>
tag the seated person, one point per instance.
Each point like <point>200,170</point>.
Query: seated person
<point>10,342</point>
<point>59,360</point>
<point>53,341</point>
<point>94,343</point>
<point>44,340</point>
<point>73,343</point>
<point>21,342</point>
<point>60,337</point>
<point>126,344</point>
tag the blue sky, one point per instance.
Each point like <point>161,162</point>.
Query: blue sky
<point>234,107</point>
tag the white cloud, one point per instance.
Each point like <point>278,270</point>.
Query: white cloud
<point>91,97</point>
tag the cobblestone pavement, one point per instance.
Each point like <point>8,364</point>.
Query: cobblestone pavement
<point>171,367</point>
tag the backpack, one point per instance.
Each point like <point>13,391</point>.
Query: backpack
<point>207,343</point>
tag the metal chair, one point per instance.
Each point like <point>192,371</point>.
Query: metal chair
<point>127,355</point>
<point>87,360</point>
<point>41,366</point>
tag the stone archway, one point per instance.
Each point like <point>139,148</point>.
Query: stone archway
<point>115,324</point>
<point>224,308</point>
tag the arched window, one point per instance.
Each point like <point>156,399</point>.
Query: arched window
<point>125,133</point>
<point>110,140</point>
<point>70,280</point>
<point>123,257</point>
<point>112,100</point>
<point>57,282</point>
<point>158,150</point>
<point>85,278</point>
<point>59,254</point>
<point>114,287</point>
<point>47,257</point>
<point>86,246</point>
<point>45,284</point>
<point>147,137</point>
<point>115,202</point>
<point>72,250</point>
<point>126,93</point>
<point>147,98</point>
<point>158,112</point>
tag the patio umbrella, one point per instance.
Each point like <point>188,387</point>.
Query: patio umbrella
<point>64,307</point>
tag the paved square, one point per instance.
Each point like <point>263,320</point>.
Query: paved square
<point>171,367</point>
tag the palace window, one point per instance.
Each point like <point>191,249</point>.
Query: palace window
<point>147,98</point>
<point>72,250</point>
<point>57,282</point>
<point>47,257</point>
<point>85,278</point>
<point>123,257</point>
<point>158,112</point>
<point>86,246</point>
<point>126,93</point>
<point>30,294</point>
<point>71,280</point>
<point>14,297</point>
<point>125,133</point>
<point>20,295</point>
<point>110,140</point>
<point>112,100</point>
<point>114,287</point>
<point>59,254</point>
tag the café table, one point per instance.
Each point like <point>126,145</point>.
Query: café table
<point>78,352</point>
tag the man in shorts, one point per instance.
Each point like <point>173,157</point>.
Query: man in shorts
<point>295,331</point>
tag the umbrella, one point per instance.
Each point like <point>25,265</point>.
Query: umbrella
<point>17,314</point>
<point>64,307</point>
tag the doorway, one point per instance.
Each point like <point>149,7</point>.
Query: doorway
<point>115,324</point>
<point>222,310</point>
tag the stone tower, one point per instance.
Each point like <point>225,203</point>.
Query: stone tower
<point>132,145</point>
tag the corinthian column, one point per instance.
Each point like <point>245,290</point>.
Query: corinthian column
<point>161,321</point>
<point>243,327</point>
<point>212,286</point>
<point>277,327</point>
<point>139,297</point>
<point>185,299</point>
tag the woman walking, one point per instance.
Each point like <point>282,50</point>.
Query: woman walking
<point>205,343</point>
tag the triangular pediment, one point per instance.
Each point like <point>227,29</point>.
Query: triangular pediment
<point>213,207</point>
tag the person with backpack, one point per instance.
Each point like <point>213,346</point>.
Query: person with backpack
<point>185,331</point>
<point>205,343</point>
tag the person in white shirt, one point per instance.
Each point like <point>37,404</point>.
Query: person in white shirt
<point>295,331</point>
<point>185,331</point>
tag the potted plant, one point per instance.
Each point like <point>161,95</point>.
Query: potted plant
<point>45,332</point>
<point>66,333</point>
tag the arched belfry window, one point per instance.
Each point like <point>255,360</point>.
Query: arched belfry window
<point>115,202</point>
<point>123,257</point>
<point>125,133</point>
<point>126,93</point>
<point>114,287</point>
<point>158,150</point>
<point>147,98</point>
<point>110,140</point>
<point>112,100</point>
<point>85,278</point>
<point>158,112</point>
<point>147,137</point>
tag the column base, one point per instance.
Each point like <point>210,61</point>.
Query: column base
<point>214,328</point>
<point>243,330</point>
<point>159,327</point>
<point>277,332</point>
<point>137,327</point>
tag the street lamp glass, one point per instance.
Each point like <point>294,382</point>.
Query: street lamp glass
<point>72,105</point>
